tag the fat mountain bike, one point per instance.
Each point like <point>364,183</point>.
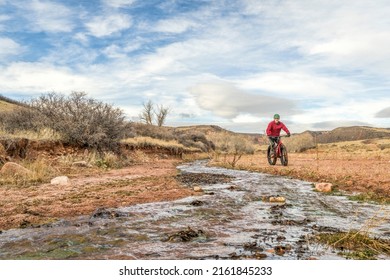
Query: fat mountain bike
<point>278,151</point>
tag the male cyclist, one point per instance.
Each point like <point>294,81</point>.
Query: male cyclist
<point>274,128</point>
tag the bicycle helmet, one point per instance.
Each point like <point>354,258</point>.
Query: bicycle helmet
<point>276,116</point>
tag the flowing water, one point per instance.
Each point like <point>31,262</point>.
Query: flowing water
<point>230,220</point>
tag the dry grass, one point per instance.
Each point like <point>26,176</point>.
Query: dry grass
<point>43,134</point>
<point>41,171</point>
<point>355,167</point>
<point>359,244</point>
<point>149,142</point>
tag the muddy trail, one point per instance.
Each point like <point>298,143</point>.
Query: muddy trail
<point>231,219</point>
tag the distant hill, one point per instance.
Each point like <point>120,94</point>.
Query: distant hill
<point>352,133</point>
<point>8,104</point>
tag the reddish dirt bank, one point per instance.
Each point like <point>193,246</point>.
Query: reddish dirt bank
<point>39,204</point>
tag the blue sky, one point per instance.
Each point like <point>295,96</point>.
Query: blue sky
<point>319,64</point>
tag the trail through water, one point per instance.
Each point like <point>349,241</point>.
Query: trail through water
<point>229,220</point>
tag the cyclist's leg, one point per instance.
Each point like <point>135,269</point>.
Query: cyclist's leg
<point>273,142</point>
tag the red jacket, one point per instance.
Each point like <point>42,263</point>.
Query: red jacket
<point>274,128</point>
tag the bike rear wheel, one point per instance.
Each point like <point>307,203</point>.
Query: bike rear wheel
<point>284,155</point>
<point>271,156</point>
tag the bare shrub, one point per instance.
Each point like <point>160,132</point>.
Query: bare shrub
<point>82,121</point>
<point>234,146</point>
<point>300,143</point>
<point>161,114</point>
<point>147,113</point>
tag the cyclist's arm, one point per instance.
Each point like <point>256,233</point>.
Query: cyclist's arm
<point>285,129</point>
<point>268,131</point>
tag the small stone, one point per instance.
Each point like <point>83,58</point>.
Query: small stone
<point>198,189</point>
<point>279,199</point>
<point>61,180</point>
<point>323,187</point>
<point>14,169</point>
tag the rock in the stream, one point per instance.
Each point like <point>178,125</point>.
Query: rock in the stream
<point>279,199</point>
<point>323,187</point>
<point>198,189</point>
<point>61,180</point>
<point>14,169</point>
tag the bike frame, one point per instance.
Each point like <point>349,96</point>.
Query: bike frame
<point>279,151</point>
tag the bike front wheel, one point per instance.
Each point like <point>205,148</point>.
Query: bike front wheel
<point>284,155</point>
<point>271,156</point>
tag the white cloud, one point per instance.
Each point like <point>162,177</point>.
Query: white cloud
<point>101,26</point>
<point>298,84</point>
<point>38,78</point>
<point>3,18</point>
<point>47,16</point>
<point>227,101</point>
<point>9,47</point>
<point>119,3</point>
<point>384,113</point>
<point>175,25</point>
<point>343,34</point>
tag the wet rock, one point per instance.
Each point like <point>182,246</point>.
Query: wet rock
<point>60,180</point>
<point>14,169</point>
<point>281,249</point>
<point>275,199</point>
<point>323,187</point>
<point>185,235</point>
<point>197,203</point>
<point>325,228</point>
<point>291,222</point>
<point>198,189</point>
<point>256,256</point>
<point>104,213</point>
<point>191,179</point>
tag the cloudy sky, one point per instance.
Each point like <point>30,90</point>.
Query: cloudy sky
<point>233,63</point>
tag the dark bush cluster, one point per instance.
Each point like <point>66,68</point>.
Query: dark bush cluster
<point>81,121</point>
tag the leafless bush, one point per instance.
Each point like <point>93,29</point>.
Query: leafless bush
<point>161,114</point>
<point>82,121</point>
<point>146,115</point>
<point>234,146</point>
<point>149,112</point>
<point>300,143</point>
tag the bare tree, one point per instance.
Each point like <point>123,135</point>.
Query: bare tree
<point>147,112</point>
<point>161,114</point>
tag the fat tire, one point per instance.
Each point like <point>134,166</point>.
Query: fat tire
<point>271,160</point>
<point>284,155</point>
